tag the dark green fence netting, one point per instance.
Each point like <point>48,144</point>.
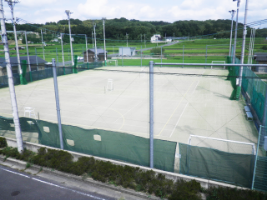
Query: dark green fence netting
<point>255,89</point>
<point>102,143</point>
<point>236,169</point>
<point>252,86</point>
<point>233,73</point>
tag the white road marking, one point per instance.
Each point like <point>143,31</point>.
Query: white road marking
<point>52,184</point>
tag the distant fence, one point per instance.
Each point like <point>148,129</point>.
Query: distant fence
<point>48,73</point>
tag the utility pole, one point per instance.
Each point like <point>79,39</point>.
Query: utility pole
<point>243,45</point>
<point>236,26</point>
<point>71,50</point>
<point>57,103</point>
<point>11,4</point>
<point>95,44</point>
<point>127,38</point>
<point>141,38</point>
<point>104,35</point>
<point>10,81</point>
<point>230,47</point>
<point>43,44</point>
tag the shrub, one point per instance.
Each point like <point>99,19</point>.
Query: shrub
<point>234,194</point>
<point>157,50</point>
<point>186,190</point>
<point>3,142</point>
<point>60,160</point>
<point>264,47</point>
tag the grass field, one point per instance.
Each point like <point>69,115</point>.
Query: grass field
<point>194,51</point>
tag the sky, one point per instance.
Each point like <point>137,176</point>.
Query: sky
<point>41,11</point>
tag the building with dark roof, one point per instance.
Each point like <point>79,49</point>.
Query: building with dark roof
<point>91,55</point>
<point>260,58</point>
<point>36,63</point>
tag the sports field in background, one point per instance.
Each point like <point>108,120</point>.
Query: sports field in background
<point>184,105</point>
<point>194,50</point>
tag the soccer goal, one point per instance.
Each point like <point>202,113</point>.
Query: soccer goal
<point>218,62</point>
<point>222,144</point>
<point>112,62</point>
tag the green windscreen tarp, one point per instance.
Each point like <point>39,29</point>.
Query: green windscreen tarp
<point>236,169</point>
<point>102,143</point>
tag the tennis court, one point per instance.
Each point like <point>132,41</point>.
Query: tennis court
<point>186,102</point>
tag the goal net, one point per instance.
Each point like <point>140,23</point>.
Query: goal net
<point>230,146</point>
<point>218,62</point>
<point>112,62</point>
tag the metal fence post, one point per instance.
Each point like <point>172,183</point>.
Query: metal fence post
<point>183,56</point>
<point>37,68</point>
<point>255,164</point>
<point>206,55</point>
<point>57,54</point>
<point>161,56</point>
<point>151,112</point>
<point>141,57</point>
<point>122,57</point>
<point>57,103</point>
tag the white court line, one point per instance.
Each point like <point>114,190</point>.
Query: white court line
<point>52,184</point>
<point>182,112</point>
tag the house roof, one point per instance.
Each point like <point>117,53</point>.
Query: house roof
<point>13,60</point>
<point>99,51</point>
<point>260,56</point>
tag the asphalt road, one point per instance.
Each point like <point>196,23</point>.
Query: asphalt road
<point>16,185</point>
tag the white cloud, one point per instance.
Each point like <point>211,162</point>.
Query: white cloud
<point>168,10</point>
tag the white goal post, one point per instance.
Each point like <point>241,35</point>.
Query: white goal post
<point>224,140</point>
<point>111,61</point>
<point>218,62</point>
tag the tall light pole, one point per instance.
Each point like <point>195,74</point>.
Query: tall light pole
<point>43,43</point>
<point>95,44</point>
<point>127,38</point>
<point>141,38</point>
<point>104,35</point>
<point>243,44</point>
<point>236,26</point>
<point>71,50</point>
<point>11,4</point>
<point>230,46</point>
<point>11,81</point>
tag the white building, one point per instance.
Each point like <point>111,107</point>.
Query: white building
<point>155,38</point>
<point>127,51</point>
